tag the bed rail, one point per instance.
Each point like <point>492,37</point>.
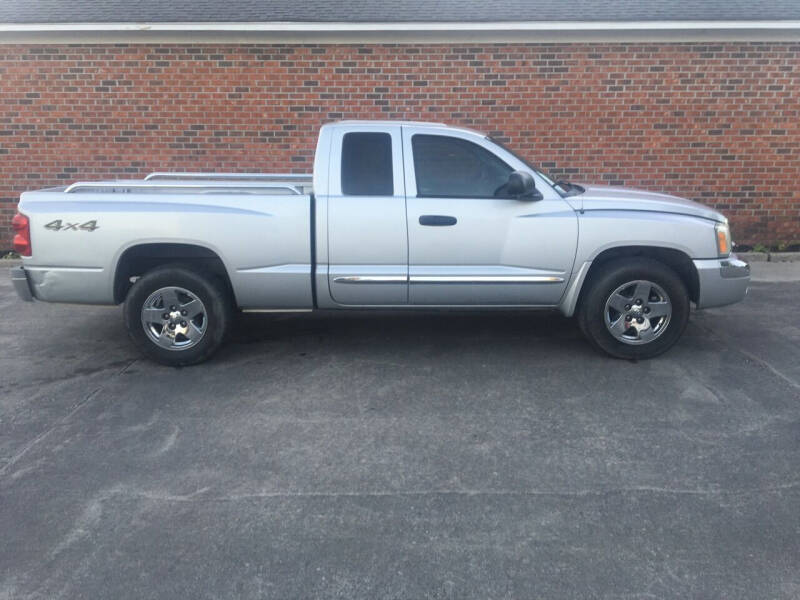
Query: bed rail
<point>237,176</point>
<point>203,187</point>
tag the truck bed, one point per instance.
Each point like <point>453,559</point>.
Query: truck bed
<point>259,225</point>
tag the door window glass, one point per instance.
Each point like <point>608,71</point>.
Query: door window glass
<point>451,167</point>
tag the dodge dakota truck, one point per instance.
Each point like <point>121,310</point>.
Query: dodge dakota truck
<point>397,215</point>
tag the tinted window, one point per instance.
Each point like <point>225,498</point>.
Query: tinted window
<point>367,164</point>
<point>448,166</point>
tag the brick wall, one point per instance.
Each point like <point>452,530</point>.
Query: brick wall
<point>719,123</point>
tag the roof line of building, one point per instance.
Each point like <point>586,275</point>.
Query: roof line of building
<point>400,33</point>
<point>463,26</point>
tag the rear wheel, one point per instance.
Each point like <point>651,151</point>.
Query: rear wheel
<point>177,316</point>
<point>634,308</point>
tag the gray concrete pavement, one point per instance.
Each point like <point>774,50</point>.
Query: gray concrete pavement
<point>368,455</point>
<point>772,272</point>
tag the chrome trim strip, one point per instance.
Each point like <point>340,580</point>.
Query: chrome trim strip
<point>550,215</point>
<point>478,279</point>
<point>66,269</point>
<point>277,310</point>
<point>474,279</point>
<point>371,279</point>
<point>291,269</point>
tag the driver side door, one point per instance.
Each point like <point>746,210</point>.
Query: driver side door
<point>470,247</point>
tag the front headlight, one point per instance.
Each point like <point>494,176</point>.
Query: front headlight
<point>723,239</point>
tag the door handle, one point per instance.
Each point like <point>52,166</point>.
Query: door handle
<point>437,220</point>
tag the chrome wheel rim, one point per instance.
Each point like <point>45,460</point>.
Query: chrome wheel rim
<point>637,312</point>
<point>174,318</point>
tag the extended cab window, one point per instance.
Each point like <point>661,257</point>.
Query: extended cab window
<point>367,164</point>
<point>451,167</point>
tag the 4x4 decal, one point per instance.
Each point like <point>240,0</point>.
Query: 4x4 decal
<point>57,225</point>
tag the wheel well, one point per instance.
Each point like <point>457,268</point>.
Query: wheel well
<point>138,260</point>
<point>675,259</point>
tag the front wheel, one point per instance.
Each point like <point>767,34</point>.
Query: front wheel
<point>634,308</point>
<point>177,316</point>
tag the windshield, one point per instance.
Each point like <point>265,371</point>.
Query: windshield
<point>522,160</point>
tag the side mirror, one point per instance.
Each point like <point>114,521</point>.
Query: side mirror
<point>521,185</point>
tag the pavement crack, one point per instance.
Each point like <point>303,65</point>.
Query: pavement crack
<point>201,495</point>
<point>763,362</point>
<point>771,368</point>
<point>128,366</point>
<point>75,374</point>
<point>42,436</point>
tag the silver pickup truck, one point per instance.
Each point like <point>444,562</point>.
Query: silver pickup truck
<point>397,215</point>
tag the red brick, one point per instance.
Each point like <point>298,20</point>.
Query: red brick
<point>719,123</point>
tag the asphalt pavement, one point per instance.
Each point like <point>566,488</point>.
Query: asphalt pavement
<point>393,455</point>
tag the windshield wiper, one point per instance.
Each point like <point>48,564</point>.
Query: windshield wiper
<point>571,189</point>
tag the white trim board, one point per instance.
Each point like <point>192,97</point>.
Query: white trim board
<point>297,32</point>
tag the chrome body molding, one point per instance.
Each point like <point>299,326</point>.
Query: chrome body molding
<point>449,279</point>
<point>371,279</point>
<point>480,279</point>
<point>277,310</point>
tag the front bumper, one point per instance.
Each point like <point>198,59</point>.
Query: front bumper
<point>722,281</point>
<point>21,284</point>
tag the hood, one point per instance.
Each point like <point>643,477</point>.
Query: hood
<point>603,197</point>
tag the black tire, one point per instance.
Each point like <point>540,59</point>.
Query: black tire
<point>592,308</point>
<point>217,313</point>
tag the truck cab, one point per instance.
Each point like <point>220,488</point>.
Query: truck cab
<point>420,214</point>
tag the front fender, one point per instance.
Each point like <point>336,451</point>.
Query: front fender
<point>601,230</point>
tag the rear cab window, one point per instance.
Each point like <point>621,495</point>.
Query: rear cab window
<point>367,164</point>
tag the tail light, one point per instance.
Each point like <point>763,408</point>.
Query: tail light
<point>22,234</point>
